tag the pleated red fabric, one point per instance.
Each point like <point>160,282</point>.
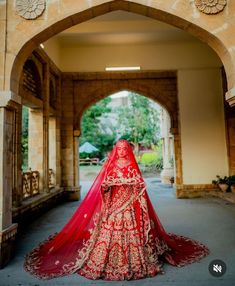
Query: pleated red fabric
<point>115,233</point>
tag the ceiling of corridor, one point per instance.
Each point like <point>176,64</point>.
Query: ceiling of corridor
<point>120,27</point>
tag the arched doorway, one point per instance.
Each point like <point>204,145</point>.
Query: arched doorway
<point>178,18</point>
<point>136,118</point>
<point>92,88</point>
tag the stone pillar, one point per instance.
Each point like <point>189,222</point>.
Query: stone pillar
<point>178,161</point>
<point>75,194</point>
<point>77,134</point>
<point>35,143</point>
<point>17,190</point>
<point>7,177</point>
<point>39,135</point>
<point>73,189</point>
<point>230,125</point>
<point>46,89</point>
<point>52,146</point>
<point>168,168</point>
<point>69,143</point>
<point>58,134</point>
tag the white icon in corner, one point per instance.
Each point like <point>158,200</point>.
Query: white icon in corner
<point>217,268</point>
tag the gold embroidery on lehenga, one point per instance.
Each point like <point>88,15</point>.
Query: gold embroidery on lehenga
<point>127,251</point>
<point>100,254</point>
<point>85,251</point>
<point>116,257</point>
<point>123,243</point>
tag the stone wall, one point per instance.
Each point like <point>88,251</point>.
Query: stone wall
<point>215,30</point>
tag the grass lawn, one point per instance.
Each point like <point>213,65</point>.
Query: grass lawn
<point>89,172</point>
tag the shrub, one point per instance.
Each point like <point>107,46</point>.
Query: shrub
<point>152,160</point>
<point>220,180</point>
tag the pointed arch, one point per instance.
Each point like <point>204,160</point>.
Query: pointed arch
<point>89,88</point>
<point>65,22</point>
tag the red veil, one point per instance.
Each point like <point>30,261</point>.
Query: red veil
<point>67,251</point>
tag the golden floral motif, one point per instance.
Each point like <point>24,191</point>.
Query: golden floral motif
<point>117,256</point>
<point>123,252</point>
<point>128,247</point>
<point>210,6</point>
<point>124,242</point>
<point>116,177</point>
<point>30,9</point>
<point>99,255</point>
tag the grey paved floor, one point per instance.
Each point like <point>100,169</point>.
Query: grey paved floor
<point>211,221</point>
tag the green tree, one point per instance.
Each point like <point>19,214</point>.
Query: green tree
<point>24,137</point>
<point>139,121</point>
<point>95,131</point>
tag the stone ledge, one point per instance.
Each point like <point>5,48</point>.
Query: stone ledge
<point>7,96</point>
<point>203,190</point>
<point>36,206</point>
<point>124,75</point>
<point>35,200</point>
<point>7,244</point>
<point>9,232</point>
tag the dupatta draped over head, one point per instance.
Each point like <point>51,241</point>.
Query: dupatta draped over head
<point>115,233</point>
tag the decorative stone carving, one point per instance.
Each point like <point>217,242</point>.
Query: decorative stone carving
<point>7,244</point>
<point>210,6</point>
<point>30,9</point>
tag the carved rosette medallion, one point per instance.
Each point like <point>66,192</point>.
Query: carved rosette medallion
<point>30,9</point>
<point>210,6</point>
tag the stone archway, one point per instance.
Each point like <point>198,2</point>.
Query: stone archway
<point>184,19</point>
<point>89,88</point>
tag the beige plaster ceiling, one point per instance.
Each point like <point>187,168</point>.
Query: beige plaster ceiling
<point>120,27</point>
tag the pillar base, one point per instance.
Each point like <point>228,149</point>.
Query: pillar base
<point>166,175</point>
<point>7,244</point>
<point>72,193</point>
<point>186,191</point>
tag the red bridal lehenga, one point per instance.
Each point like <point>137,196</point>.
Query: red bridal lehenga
<point>115,234</point>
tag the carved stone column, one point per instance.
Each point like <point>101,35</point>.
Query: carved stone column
<point>7,175</point>
<point>69,142</point>
<point>35,153</point>
<point>39,136</point>
<point>168,168</point>
<point>52,148</point>
<point>178,161</point>
<point>17,189</point>
<point>77,187</point>
<point>46,84</point>
<point>58,135</point>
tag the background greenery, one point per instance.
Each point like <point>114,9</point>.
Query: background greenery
<point>137,122</point>
<point>24,137</point>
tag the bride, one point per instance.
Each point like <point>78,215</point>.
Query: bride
<point>115,234</point>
